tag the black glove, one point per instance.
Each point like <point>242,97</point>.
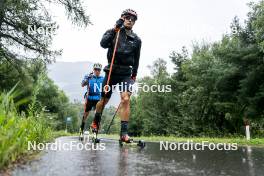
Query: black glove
<point>119,23</point>
<point>134,76</point>
<point>86,77</point>
<point>90,75</point>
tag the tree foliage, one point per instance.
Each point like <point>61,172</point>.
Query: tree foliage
<point>26,33</point>
<point>17,17</point>
<point>215,90</point>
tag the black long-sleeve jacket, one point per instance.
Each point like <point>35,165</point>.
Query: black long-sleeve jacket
<point>128,48</point>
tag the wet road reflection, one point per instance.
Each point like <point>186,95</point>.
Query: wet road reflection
<point>148,161</point>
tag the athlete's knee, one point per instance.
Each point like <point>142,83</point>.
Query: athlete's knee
<point>125,98</point>
<point>105,101</point>
<point>99,104</point>
<point>85,115</point>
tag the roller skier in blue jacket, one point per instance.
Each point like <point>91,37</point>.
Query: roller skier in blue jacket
<point>93,81</point>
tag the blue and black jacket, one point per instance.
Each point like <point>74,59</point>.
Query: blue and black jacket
<point>94,84</point>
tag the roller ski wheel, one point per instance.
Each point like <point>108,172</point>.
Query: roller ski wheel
<point>97,140</point>
<point>120,143</point>
<point>141,143</point>
<point>131,142</point>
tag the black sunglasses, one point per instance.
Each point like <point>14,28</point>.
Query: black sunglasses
<point>97,69</point>
<point>132,18</point>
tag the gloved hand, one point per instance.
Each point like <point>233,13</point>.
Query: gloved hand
<point>88,76</point>
<point>119,23</point>
<point>134,77</point>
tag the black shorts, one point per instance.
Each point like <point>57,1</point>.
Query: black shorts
<point>123,82</point>
<point>89,105</point>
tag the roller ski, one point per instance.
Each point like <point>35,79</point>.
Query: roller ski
<point>125,140</point>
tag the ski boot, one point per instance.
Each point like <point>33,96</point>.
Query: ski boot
<point>95,128</point>
<point>125,139</point>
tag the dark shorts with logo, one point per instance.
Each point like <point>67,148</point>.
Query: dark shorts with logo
<point>89,105</point>
<point>123,83</point>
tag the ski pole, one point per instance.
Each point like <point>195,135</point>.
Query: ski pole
<point>112,119</point>
<point>110,70</point>
<point>112,60</point>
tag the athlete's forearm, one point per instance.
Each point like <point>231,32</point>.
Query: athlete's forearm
<point>108,38</point>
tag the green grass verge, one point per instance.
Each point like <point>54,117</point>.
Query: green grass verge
<point>16,130</point>
<point>240,141</point>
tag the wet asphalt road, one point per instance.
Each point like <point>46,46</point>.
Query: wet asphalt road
<point>115,160</point>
